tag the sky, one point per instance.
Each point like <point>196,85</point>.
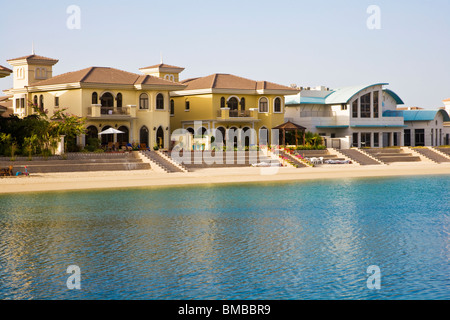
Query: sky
<point>308,43</point>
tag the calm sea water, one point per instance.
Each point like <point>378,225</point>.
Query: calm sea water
<point>306,240</point>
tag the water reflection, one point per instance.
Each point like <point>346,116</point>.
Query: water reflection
<point>295,241</point>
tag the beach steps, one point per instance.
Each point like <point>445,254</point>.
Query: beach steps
<point>445,151</point>
<point>325,154</point>
<point>293,159</point>
<point>391,155</point>
<point>163,163</point>
<point>356,156</point>
<point>432,155</point>
<point>207,159</point>
<point>77,163</point>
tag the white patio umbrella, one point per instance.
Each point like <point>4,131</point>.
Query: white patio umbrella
<point>110,131</point>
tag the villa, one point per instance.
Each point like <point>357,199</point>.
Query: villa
<point>227,103</point>
<point>365,116</point>
<point>137,105</point>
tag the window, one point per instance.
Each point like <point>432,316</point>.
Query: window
<point>35,101</point>
<point>277,105</point>
<point>242,103</point>
<point>222,102</point>
<point>365,106</point>
<point>420,137</point>
<point>376,139</point>
<point>355,140</point>
<point>38,73</point>
<point>143,101</point>
<point>432,137</point>
<point>376,112</point>
<point>95,98</point>
<point>366,140</point>
<point>56,101</point>
<point>187,106</point>
<point>407,137</point>
<point>119,100</point>
<point>160,102</point>
<point>263,105</point>
<point>41,102</point>
<point>143,136</point>
<point>344,107</point>
<point>17,103</point>
<point>355,109</point>
<point>172,107</point>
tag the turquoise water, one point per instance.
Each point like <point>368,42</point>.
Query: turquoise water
<point>306,240</point>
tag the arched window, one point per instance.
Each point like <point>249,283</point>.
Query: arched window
<point>172,107</point>
<point>143,101</point>
<point>159,102</point>
<point>119,100</point>
<point>187,105</point>
<point>222,102</point>
<point>220,135</point>
<point>35,101</point>
<point>43,73</point>
<point>263,105</point>
<point>107,101</point>
<point>242,103</point>
<point>41,102</point>
<point>201,132</point>
<point>160,137</point>
<point>143,136</point>
<point>233,105</point>
<point>95,98</point>
<point>191,131</point>
<point>277,105</point>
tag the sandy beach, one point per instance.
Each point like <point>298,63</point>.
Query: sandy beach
<point>149,178</point>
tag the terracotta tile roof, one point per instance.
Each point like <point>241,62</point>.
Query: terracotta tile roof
<point>228,81</point>
<point>162,65</point>
<point>447,100</point>
<point>6,106</point>
<point>32,57</point>
<point>2,68</point>
<point>104,75</point>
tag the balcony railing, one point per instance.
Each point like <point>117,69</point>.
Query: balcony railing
<point>227,113</point>
<point>97,111</point>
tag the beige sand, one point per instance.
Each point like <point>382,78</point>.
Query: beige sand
<point>149,178</point>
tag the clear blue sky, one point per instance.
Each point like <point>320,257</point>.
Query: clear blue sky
<point>285,41</point>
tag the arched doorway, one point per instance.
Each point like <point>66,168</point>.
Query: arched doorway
<point>246,135</point>
<point>160,137</point>
<point>143,136</point>
<point>233,136</point>
<point>123,138</point>
<point>233,104</point>
<point>220,136</point>
<point>107,138</point>
<point>107,101</point>
<point>91,133</point>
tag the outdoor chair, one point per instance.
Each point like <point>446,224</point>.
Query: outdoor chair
<point>110,146</point>
<point>6,171</point>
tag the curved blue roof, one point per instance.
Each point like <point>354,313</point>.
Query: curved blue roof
<point>417,115</point>
<point>394,95</point>
<point>344,95</point>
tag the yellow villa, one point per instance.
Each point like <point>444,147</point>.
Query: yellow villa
<point>137,105</point>
<point>223,102</point>
<point>147,107</point>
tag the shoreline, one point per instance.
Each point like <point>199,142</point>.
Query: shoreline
<point>78,181</point>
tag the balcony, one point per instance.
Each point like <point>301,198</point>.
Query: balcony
<point>226,114</point>
<point>96,111</point>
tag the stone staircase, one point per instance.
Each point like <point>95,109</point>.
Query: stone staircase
<point>206,159</point>
<point>162,163</point>
<point>325,154</point>
<point>445,151</point>
<point>293,159</point>
<point>432,155</point>
<point>356,156</point>
<point>78,162</point>
<point>392,155</point>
